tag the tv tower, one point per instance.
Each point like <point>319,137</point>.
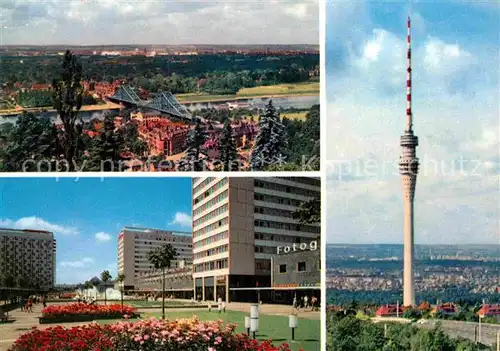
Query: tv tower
<point>408,168</point>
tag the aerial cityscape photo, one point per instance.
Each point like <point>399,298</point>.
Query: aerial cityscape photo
<point>217,264</point>
<point>159,86</point>
<point>413,241</point>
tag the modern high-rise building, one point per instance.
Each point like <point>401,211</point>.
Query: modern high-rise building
<point>134,245</point>
<point>28,257</point>
<point>238,225</point>
<point>408,168</point>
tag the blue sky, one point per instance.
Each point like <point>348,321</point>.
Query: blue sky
<point>87,214</point>
<point>456,117</point>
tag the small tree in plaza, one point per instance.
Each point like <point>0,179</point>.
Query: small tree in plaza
<point>105,277</point>
<point>120,279</point>
<point>161,258</point>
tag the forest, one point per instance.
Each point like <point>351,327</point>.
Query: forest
<point>349,333</point>
<point>212,74</point>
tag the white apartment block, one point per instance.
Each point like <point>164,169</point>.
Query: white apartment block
<point>30,256</point>
<point>238,224</point>
<point>134,245</point>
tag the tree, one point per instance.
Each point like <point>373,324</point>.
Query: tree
<point>161,258</point>
<point>67,100</point>
<point>309,212</point>
<point>270,143</point>
<point>105,149</point>
<point>120,279</point>
<point>195,141</point>
<point>105,277</point>
<point>227,149</point>
<point>27,143</point>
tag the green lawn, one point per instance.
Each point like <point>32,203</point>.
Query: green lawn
<point>281,89</point>
<point>307,335</point>
<point>298,89</point>
<point>294,115</point>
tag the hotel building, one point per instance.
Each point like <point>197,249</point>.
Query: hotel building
<point>28,256</point>
<point>238,225</point>
<point>134,245</point>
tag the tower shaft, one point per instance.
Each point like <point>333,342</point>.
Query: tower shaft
<point>408,168</point>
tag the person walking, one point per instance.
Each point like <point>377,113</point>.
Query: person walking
<point>306,302</point>
<point>30,305</point>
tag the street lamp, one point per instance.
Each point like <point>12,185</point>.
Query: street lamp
<point>254,319</point>
<point>293,322</point>
<point>247,324</point>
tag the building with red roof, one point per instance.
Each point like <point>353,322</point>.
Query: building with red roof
<point>487,310</point>
<point>163,136</point>
<point>447,308</point>
<point>390,311</point>
<point>41,87</point>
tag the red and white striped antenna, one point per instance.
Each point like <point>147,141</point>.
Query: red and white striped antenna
<point>408,81</point>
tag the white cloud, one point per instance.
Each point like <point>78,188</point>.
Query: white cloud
<point>182,219</point>
<point>82,263</point>
<point>102,236</point>
<point>36,223</point>
<point>160,22</point>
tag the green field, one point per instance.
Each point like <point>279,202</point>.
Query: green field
<point>294,115</point>
<point>280,89</point>
<point>261,91</point>
<point>307,335</point>
<point>191,97</point>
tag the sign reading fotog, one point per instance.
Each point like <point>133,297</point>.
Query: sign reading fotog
<point>312,246</point>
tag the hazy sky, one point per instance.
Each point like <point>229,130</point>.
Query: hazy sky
<point>88,22</point>
<point>456,117</point>
<point>86,215</point>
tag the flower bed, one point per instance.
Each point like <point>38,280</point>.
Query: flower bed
<point>145,335</point>
<point>81,312</point>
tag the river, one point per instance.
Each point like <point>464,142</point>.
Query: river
<point>299,102</point>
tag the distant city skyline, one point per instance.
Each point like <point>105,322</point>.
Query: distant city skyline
<point>101,22</point>
<point>455,105</point>
<point>86,215</point>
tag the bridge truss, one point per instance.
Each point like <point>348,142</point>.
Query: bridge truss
<point>164,102</point>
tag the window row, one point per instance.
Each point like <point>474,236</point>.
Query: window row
<point>211,215</point>
<point>212,239</point>
<point>221,183</point>
<point>287,226</point>
<point>281,238</point>
<point>285,188</point>
<point>210,203</point>
<point>211,227</point>
<point>211,266</point>
<point>301,267</point>
<point>210,252</point>
<point>273,212</point>
<point>278,200</point>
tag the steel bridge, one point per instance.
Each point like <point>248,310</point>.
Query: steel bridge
<point>164,102</point>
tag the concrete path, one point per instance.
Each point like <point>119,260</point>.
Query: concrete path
<point>277,310</point>
<point>20,323</point>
